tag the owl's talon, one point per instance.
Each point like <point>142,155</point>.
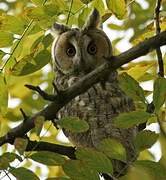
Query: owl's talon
<point>42,93</point>
<point>57,90</point>
<point>55,124</point>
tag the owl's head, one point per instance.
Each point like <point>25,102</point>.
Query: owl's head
<point>80,51</point>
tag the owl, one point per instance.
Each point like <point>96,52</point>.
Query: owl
<point>77,52</point>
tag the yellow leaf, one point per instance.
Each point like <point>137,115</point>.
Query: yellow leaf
<point>39,121</point>
<point>135,71</point>
<point>118,8</point>
<point>21,144</point>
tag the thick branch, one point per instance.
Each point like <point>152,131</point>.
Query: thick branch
<point>56,148</point>
<point>85,83</point>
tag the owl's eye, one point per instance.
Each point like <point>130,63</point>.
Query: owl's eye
<point>70,51</point>
<point>92,49</point>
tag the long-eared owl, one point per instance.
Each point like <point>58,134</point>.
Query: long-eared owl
<point>77,52</point>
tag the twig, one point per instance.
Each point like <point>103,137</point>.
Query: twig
<point>42,93</point>
<point>6,174</point>
<point>157,26</point>
<point>23,114</point>
<point>45,146</point>
<point>44,2</point>
<point>130,2</point>
<point>71,4</point>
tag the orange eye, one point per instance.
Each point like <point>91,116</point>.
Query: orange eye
<point>71,51</point>
<point>92,49</point>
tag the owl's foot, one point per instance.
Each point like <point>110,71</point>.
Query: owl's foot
<point>56,89</point>
<point>42,93</point>
<point>23,114</point>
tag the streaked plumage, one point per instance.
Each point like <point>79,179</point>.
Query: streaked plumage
<point>77,52</point>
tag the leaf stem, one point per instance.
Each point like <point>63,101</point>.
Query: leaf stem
<point>22,36</point>
<point>71,4</point>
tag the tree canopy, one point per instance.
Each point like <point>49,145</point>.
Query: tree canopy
<point>28,132</point>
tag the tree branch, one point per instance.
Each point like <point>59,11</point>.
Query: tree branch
<point>84,84</point>
<point>56,148</point>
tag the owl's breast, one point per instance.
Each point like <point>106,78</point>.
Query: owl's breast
<point>98,106</point>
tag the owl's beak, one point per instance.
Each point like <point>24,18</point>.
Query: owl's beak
<point>77,64</point>
<point>81,65</point>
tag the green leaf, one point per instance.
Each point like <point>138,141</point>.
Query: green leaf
<point>154,169</point>
<point>23,174</point>
<point>114,26</point>
<point>6,158</point>
<point>131,87</point>
<point>77,169</point>
<point>48,158</point>
<point>113,149</point>
<point>100,6</point>
<point>12,24</point>
<point>28,45</point>
<point>30,64</point>
<point>3,95</point>
<point>41,13</point>
<point>47,41</point>
<point>149,31</point>
<point>118,7</point>
<point>2,54</point>
<point>20,144</point>
<point>145,139</point>
<point>135,71</point>
<point>146,154</point>
<point>127,120</point>
<point>142,37</point>
<point>39,121</point>
<point>38,2</point>
<point>36,13</point>
<point>83,16</point>
<point>95,160</point>
<point>4,162</point>
<point>6,39</point>
<point>73,124</point>
<point>11,156</point>
<point>159,94</point>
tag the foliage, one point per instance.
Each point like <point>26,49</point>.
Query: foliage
<point>25,58</point>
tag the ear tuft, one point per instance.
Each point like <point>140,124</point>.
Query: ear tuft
<point>93,20</point>
<point>59,28</point>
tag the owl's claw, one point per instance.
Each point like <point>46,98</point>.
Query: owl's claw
<point>55,124</point>
<point>56,88</point>
<point>42,93</point>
